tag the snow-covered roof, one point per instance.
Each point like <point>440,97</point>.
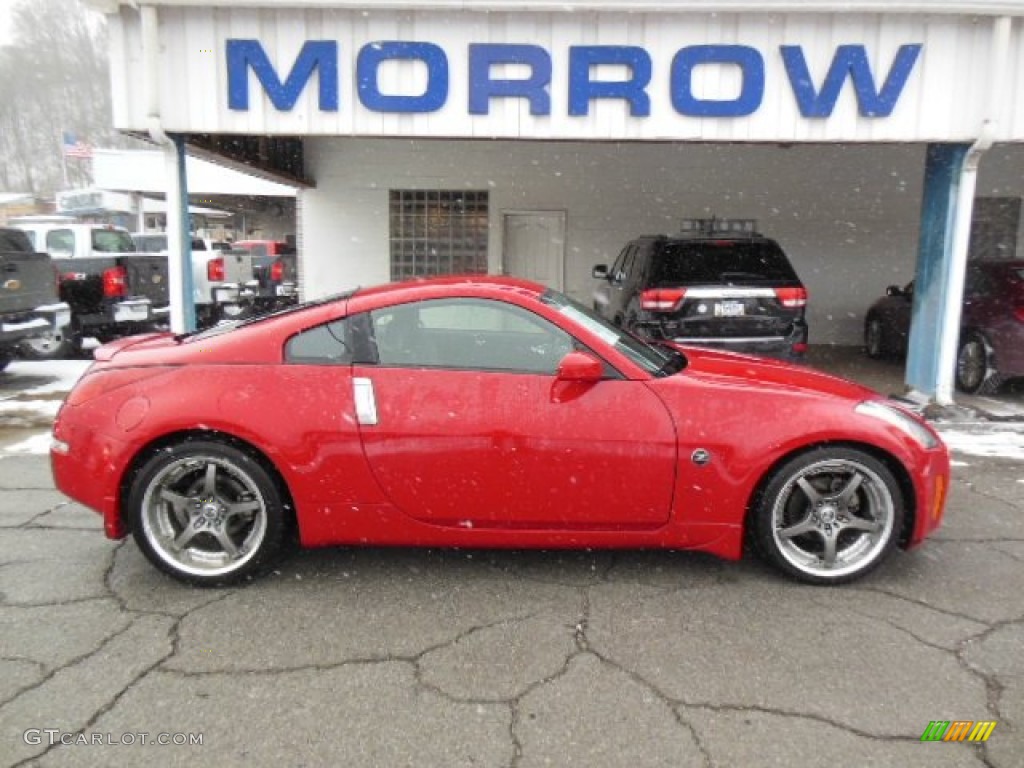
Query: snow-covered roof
<point>134,170</point>
<point>960,7</point>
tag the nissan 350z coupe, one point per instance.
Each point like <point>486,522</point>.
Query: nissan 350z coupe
<point>484,412</point>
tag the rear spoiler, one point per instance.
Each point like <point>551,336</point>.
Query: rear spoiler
<point>107,352</point>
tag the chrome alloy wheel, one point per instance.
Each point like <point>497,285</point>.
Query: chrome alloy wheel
<point>833,518</point>
<point>204,516</point>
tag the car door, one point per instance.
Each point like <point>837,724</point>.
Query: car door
<point>461,427</point>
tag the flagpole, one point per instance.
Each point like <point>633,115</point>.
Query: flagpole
<point>63,157</point>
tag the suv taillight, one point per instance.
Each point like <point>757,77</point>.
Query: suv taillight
<point>1018,312</point>
<point>115,282</point>
<point>215,270</point>
<point>277,271</point>
<point>792,297</point>
<point>662,299</point>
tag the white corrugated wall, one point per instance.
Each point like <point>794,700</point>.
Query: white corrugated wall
<point>942,100</point>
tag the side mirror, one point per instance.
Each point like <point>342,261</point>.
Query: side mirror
<point>600,272</point>
<point>580,367</point>
<point>893,290</point>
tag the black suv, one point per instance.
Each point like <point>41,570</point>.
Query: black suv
<point>716,283</point>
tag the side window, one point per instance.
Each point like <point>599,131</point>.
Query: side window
<point>640,262</point>
<point>60,242</point>
<point>468,334</point>
<point>616,272</point>
<point>976,282</point>
<point>329,344</point>
<point>628,265</point>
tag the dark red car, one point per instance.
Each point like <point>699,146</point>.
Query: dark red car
<point>484,412</point>
<point>991,328</point>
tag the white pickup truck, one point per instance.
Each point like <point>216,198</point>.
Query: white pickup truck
<point>223,285</point>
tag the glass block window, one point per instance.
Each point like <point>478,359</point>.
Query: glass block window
<point>438,232</point>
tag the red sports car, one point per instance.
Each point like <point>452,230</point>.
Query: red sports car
<point>484,412</point>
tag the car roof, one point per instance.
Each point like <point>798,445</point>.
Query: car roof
<point>696,237</point>
<point>429,285</point>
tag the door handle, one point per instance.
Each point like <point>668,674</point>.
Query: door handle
<point>366,401</point>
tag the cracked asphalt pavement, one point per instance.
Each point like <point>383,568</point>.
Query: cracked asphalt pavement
<point>391,657</point>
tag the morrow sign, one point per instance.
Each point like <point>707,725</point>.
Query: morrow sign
<point>488,66</point>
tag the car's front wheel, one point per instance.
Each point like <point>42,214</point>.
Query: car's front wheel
<point>206,513</point>
<point>976,372</point>
<point>829,516</point>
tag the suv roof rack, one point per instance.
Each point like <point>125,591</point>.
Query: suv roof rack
<point>715,226</point>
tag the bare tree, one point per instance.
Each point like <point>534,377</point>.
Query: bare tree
<point>54,79</point>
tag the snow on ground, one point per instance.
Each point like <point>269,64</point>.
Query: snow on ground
<point>25,379</point>
<point>38,444</point>
<point>992,439</point>
<point>61,376</point>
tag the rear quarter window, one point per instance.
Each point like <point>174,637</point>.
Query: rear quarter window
<point>328,344</point>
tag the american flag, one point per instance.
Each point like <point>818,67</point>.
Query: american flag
<point>75,148</point>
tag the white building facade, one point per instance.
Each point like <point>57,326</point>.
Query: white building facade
<point>537,137</point>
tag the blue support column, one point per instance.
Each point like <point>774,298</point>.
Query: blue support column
<point>187,291</point>
<point>936,267</point>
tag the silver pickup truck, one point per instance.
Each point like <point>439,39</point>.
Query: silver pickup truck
<point>29,307</point>
<point>223,284</point>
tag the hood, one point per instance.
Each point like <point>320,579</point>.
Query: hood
<point>717,367</point>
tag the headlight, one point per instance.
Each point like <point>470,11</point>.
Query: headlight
<point>900,419</point>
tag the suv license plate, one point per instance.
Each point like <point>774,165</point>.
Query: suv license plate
<point>729,309</point>
<point>130,313</point>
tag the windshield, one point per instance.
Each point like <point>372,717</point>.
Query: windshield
<point>656,360</point>
<point>112,241</point>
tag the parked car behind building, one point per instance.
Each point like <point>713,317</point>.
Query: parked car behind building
<point>991,346</point>
<point>717,283</point>
<point>112,289</point>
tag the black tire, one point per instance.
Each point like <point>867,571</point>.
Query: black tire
<point>193,503</point>
<point>48,349</point>
<point>833,494</point>
<point>874,338</point>
<point>976,372</point>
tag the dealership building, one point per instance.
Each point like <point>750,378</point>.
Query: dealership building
<point>878,142</point>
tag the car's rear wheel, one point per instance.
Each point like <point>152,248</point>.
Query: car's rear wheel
<point>829,516</point>
<point>874,338</point>
<point>206,513</point>
<point>49,348</point>
<point>976,372</point>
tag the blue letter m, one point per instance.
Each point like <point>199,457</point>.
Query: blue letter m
<point>243,54</point>
<point>852,60</point>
